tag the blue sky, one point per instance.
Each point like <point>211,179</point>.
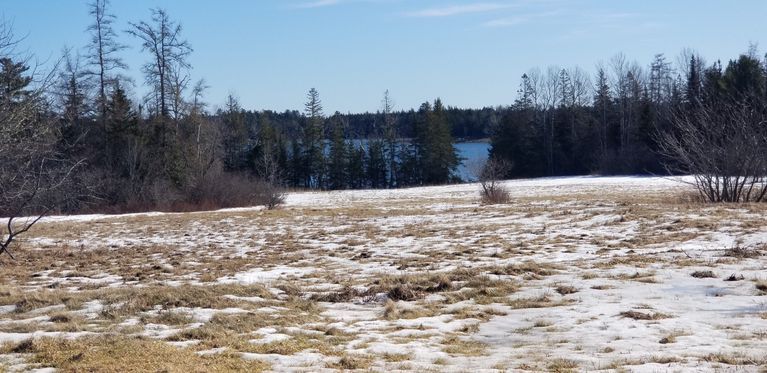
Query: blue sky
<point>469,53</point>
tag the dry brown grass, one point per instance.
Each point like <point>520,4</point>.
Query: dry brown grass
<point>636,315</point>
<point>703,274</point>
<point>566,289</point>
<point>743,252</point>
<point>454,345</point>
<point>483,314</point>
<point>352,362</point>
<point>130,301</point>
<point>413,287</point>
<point>761,286</point>
<point>645,277</point>
<point>528,269</point>
<point>167,318</point>
<point>356,230</point>
<point>393,311</point>
<point>735,359</point>
<point>542,301</point>
<point>345,294</point>
<point>483,289</point>
<point>562,365</point>
<point>110,353</point>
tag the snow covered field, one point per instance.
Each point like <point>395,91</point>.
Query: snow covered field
<point>582,274</point>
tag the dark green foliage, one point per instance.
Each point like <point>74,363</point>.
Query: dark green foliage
<point>235,135</point>
<point>312,142</point>
<point>356,166</point>
<point>338,159</point>
<point>376,164</point>
<point>14,81</point>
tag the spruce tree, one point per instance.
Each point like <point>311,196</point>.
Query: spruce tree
<point>313,141</point>
<point>439,158</point>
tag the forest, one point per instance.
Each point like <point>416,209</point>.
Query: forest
<point>96,146</point>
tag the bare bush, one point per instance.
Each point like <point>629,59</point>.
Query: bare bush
<point>490,176</point>
<point>723,145</point>
<point>222,190</point>
<point>34,171</point>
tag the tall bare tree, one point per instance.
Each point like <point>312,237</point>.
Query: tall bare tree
<point>161,37</point>
<point>102,54</point>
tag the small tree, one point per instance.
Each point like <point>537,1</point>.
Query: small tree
<point>490,176</point>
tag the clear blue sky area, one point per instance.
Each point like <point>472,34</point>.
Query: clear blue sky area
<point>469,53</point>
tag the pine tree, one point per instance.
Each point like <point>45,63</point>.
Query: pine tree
<point>13,83</point>
<point>313,141</point>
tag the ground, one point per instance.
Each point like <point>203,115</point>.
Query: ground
<point>574,274</point>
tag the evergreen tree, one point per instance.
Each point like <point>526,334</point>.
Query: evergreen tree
<point>297,164</point>
<point>376,163</point>
<point>517,138</point>
<point>235,135</point>
<point>337,160</point>
<point>391,137</point>
<point>313,141</point>
<point>356,166</point>
<point>13,82</point>
<point>439,158</point>
<point>694,82</point>
<point>127,148</point>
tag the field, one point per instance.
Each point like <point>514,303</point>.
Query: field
<point>575,274</point>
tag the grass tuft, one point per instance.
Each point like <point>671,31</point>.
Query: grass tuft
<point>703,274</point>
<point>636,315</point>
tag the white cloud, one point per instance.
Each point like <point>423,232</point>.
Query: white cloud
<point>506,22</point>
<point>520,19</point>
<point>454,10</point>
<point>328,3</point>
<point>317,4</point>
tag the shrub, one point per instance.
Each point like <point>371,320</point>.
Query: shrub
<point>493,192</point>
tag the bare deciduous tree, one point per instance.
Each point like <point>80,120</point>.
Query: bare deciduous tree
<point>102,53</point>
<point>162,39</point>
<point>34,173</point>
<point>723,145</point>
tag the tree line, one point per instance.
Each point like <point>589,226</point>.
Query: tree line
<point>168,150</point>
<point>565,122</point>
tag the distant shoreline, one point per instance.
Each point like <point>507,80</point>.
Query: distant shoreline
<point>481,140</point>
